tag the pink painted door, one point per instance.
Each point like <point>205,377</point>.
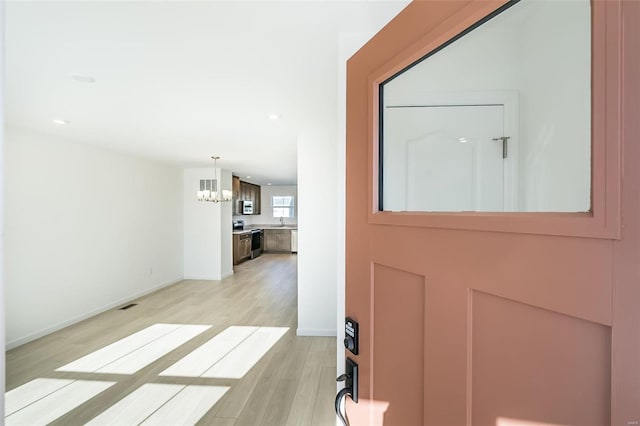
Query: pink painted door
<point>502,319</point>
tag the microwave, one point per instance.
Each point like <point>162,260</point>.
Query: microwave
<point>247,207</point>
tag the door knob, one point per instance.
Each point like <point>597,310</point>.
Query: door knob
<point>350,379</point>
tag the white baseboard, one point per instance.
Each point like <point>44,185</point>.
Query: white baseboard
<point>200,278</point>
<point>207,277</point>
<point>316,332</point>
<point>33,336</point>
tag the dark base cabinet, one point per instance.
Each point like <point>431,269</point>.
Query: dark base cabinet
<point>241,247</point>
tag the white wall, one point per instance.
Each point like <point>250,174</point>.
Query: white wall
<point>2,204</point>
<point>266,213</point>
<point>86,230</point>
<point>317,261</point>
<point>208,245</point>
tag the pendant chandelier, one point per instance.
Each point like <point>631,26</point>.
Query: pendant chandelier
<point>209,187</point>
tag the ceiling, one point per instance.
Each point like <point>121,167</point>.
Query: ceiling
<point>182,81</point>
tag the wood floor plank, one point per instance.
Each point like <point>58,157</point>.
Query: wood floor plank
<point>187,407</point>
<point>282,398</point>
<point>233,404</point>
<point>219,421</point>
<point>264,398</point>
<point>323,411</point>
<point>280,403</point>
<point>309,384</point>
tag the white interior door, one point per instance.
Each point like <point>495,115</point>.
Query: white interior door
<point>444,158</point>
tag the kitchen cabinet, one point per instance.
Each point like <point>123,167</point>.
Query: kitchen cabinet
<point>256,199</point>
<point>277,240</point>
<point>254,195</point>
<point>241,247</point>
<point>245,191</point>
<point>235,189</point>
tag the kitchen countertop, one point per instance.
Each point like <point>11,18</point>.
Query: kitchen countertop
<point>248,228</point>
<point>286,226</point>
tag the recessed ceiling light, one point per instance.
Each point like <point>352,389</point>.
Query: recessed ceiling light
<point>248,177</point>
<point>462,140</point>
<point>273,116</point>
<point>269,184</point>
<point>60,122</point>
<point>83,78</point>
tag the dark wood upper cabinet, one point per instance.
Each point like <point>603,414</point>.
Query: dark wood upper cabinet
<point>257,199</point>
<point>245,191</point>
<point>235,188</point>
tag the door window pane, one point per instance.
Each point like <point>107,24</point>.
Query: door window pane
<point>498,120</point>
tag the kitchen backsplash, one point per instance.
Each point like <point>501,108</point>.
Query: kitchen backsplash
<point>261,219</point>
<point>266,216</point>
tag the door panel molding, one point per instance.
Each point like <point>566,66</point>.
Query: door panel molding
<point>398,316</point>
<point>551,368</point>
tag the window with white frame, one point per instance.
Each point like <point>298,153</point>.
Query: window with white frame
<point>282,206</point>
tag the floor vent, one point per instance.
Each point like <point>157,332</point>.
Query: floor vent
<point>130,305</point>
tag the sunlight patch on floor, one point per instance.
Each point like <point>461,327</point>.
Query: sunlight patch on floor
<point>134,352</point>
<point>153,404</point>
<point>229,355</point>
<point>33,407</point>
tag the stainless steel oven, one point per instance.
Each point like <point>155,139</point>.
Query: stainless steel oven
<point>257,242</point>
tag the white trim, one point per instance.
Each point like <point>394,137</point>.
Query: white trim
<point>208,277</point>
<point>316,332</point>
<point>3,320</point>
<point>45,331</point>
<point>201,278</point>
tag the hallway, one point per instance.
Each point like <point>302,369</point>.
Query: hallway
<point>248,318</point>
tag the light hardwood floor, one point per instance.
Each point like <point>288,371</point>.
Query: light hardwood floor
<point>292,384</point>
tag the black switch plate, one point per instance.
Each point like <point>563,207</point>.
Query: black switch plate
<point>351,370</point>
<point>351,335</point>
